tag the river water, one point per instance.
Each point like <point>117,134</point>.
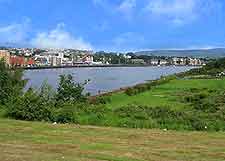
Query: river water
<point>102,79</point>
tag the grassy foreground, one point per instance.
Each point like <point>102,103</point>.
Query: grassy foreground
<point>31,141</point>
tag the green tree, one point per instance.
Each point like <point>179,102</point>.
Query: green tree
<point>31,107</point>
<point>11,83</point>
<point>69,91</point>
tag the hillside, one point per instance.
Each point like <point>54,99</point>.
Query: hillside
<point>26,141</point>
<point>212,53</point>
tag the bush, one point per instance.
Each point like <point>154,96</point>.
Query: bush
<point>195,98</point>
<point>30,107</point>
<point>147,86</point>
<point>132,111</point>
<point>134,116</point>
<point>102,100</point>
<point>69,91</point>
<point>11,83</point>
<point>65,114</point>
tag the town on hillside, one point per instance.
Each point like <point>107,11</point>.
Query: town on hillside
<point>33,57</point>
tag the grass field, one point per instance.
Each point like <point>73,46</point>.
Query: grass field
<point>165,95</point>
<point>30,141</point>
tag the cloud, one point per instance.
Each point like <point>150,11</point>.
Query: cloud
<point>15,33</point>
<point>18,34</point>
<point>180,12</point>
<point>124,7</point>
<point>59,38</point>
<point>127,7</point>
<point>175,11</point>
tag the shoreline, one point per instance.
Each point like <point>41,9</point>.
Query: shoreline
<point>99,66</point>
<point>123,89</point>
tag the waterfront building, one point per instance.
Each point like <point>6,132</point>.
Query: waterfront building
<point>88,59</point>
<point>137,61</point>
<point>154,62</point>
<point>4,54</point>
<point>179,61</point>
<point>163,62</point>
<point>41,60</point>
<point>21,61</point>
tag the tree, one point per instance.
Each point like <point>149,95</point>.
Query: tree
<point>31,107</point>
<point>69,91</point>
<point>11,83</point>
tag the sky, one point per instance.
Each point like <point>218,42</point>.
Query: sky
<point>113,25</point>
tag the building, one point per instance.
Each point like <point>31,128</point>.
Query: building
<point>17,61</point>
<point>88,59</point>
<point>163,62</point>
<point>154,62</point>
<point>55,61</point>
<point>6,56</point>
<point>41,60</point>
<point>21,61</point>
<point>195,61</point>
<point>179,61</point>
<point>30,62</point>
<point>159,62</point>
<point>137,61</point>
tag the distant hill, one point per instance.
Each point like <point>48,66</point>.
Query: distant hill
<point>212,53</point>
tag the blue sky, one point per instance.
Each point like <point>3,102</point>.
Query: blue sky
<point>113,25</point>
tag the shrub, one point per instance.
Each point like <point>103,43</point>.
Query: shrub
<point>11,83</point>
<point>197,124</point>
<point>70,91</point>
<point>131,91</point>
<point>132,111</point>
<point>65,114</point>
<point>147,86</point>
<point>30,107</point>
<point>102,100</point>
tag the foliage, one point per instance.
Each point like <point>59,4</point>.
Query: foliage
<point>147,86</point>
<point>101,100</point>
<point>66,114</point>
<point>11,83</point>
<point>31,107</point>
<point>70,91</point>
<point>42,105</point>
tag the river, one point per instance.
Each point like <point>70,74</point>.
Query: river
<point>102,79</point>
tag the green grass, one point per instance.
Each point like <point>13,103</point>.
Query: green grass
<point>166,94</point>
<point>31,141</point>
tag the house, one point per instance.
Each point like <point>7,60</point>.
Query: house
<point>87,59</point>
<point>21,61</point>
<point>154,62</point>
<point>41,60</point>
<point>137,61</point>
<point>179,61</point>
<point>6,56</point>
<point>163,62</point>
